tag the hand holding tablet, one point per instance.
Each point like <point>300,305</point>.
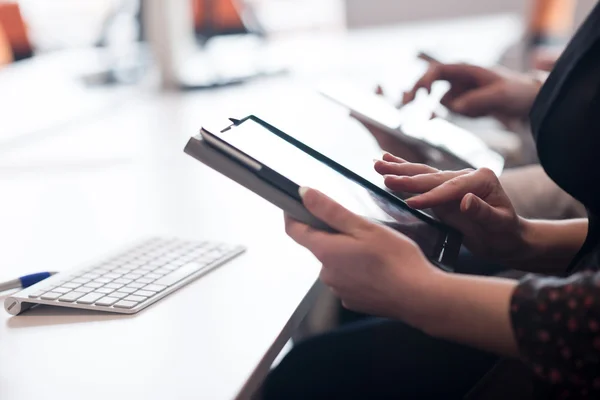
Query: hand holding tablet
<point>275,165</point>
<point>413,128</point>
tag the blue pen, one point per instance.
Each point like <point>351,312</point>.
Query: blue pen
<point>25,281</point>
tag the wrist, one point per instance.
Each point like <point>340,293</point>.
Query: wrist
<point>536,81</point>
<point>428,304</point>
<point>472,310</point>
<point>549,246</point>
<point>527,244</point>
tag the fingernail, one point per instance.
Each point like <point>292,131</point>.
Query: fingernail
<point>302,191</point>
<point>469,202</point>
<point>395,177</point>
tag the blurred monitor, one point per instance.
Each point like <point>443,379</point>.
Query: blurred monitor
<point>182,33</point>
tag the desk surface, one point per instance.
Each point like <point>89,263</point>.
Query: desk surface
<point>80,191</point>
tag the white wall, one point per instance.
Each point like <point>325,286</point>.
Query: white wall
<point>375,12</point>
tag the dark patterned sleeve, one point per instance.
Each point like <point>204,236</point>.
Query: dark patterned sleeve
<point>557,327</point>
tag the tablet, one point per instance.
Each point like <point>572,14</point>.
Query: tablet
<point>412,124</point>
<point>274,165</point>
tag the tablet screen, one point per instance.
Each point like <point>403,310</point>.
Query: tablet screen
<point>303,169</point>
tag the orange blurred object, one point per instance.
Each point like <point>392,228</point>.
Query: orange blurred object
<point>217,16</point>
<point>15,30</point>
<point>552,18</point>
<point>6,56</point>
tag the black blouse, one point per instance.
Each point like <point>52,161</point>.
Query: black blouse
<point>557,320</point>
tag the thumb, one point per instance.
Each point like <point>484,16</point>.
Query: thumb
<point>478,102</point>
<point>480,211</point>
<point>330,212</point>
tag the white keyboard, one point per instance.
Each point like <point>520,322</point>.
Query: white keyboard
<point>129,281</point>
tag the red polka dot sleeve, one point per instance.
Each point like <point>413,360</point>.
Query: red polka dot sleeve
<point>557,326</point>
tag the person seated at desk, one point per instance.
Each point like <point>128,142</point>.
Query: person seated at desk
<point>487,93</point>
<point>479,92</point>
<point>445,331</point>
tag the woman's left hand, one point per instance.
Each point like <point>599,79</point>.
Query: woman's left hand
<point>371,268</point>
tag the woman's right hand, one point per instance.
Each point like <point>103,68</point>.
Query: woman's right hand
<point>472,201</point>
<point>478,92</point>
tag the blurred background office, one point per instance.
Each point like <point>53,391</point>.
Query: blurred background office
<point>93,45</point>
<point>99,97</point>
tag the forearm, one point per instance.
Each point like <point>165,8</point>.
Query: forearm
<point>471,310</point>
<point>550,245</point>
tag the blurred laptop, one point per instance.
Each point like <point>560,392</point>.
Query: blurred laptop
<point>206,43</point>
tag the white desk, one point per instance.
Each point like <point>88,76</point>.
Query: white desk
<point>83,190</point>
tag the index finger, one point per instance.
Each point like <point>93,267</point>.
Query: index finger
<point>440,72</point>
<point>432,75</point>
<point>477,182</point>
<point>426,57</point>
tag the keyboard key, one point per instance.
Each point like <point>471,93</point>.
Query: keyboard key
<point>90,298</point>
<point>144,293</point>
<point>107,301</point>
<point>162,271</point>
<point>103,280</point>
<point>132,276</point>
<point>152,276</point>
<point>113,285</point>
<point>179,274</point>
<point>125,304</point>
<point>170,266</point>
<point>119,271</point>
<point>102,271</point>
<point>80,280</point>
<point>104,290</point>
<point>128,290</point>
<point>36,294</point>
<point>119,295</point>
<point>90,275</point>
<point>136,285</point>
<point>62,290</point>
<point>154,288</point>
<point>71,297</point>
<point>51,296</point>
<point>94,285</point>
<point>137,299</point>
<point>144,280</point>
<point>213,255</point>
<point>84,289</point>
<point>71,285</point>
<point>112,275</point>
<point>123,281</point>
